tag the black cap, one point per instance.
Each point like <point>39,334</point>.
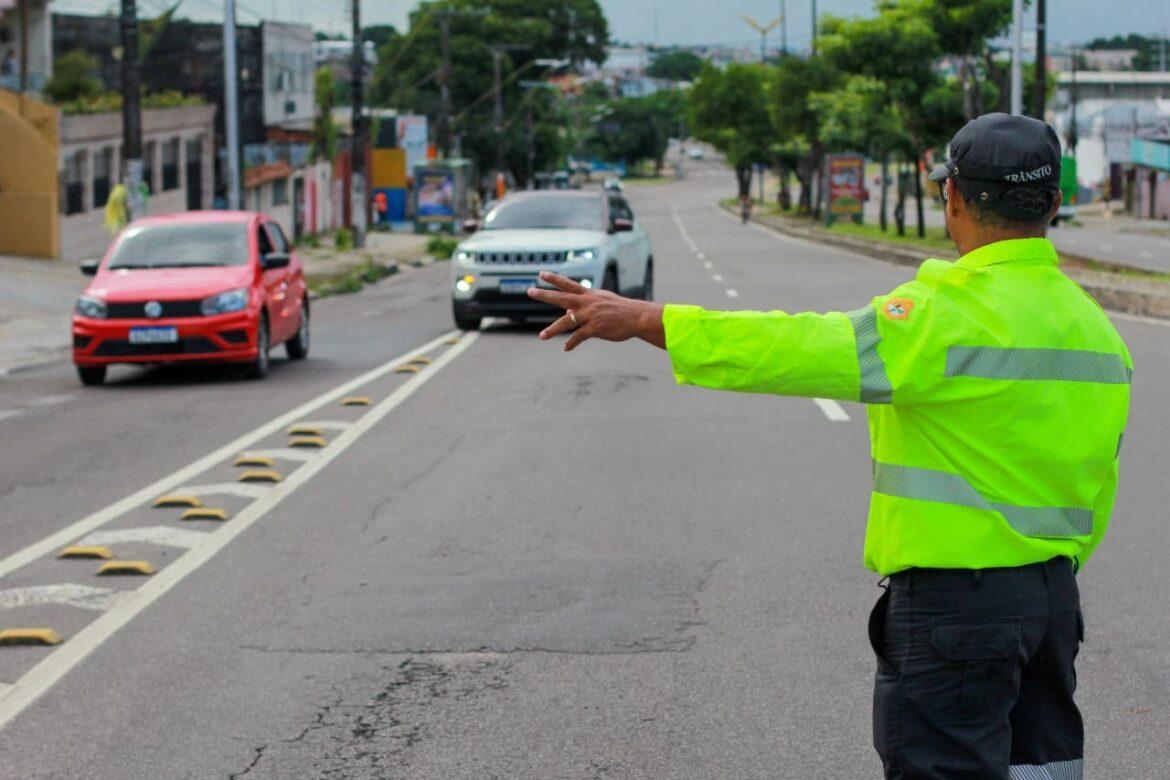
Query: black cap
<point>1005,161</point>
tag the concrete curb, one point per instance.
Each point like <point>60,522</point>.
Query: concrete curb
<point>1114,286</point>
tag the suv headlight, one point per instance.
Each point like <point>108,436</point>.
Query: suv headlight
<point>582,254</point>
<point>88,306</point>
<point>465,257</point>
<point>225,302</point>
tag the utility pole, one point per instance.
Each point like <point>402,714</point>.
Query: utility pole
<point>131,112</point>
<point>444,129</point>
<point>498,106</point>
<point>357,154</point>
<point>783,30</point>
<point>1017,54</point>
<point>231,104</point>
<point>1072,100</point>
<point>531,142</point>
<point>1041,86</point>
<point>813,45</point>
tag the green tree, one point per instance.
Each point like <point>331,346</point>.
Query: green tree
<point>73,78</point>
<point>899,48</point>
<point>729,111</point>
<point>409,70</point>
<point>679,65</point>
<point>962,29</point>
<point>324,129</point>
<point>798,124</point>
<point>640,128</point>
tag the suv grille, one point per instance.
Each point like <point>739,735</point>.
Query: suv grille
<point>127,311</point>
<point>520,258</point>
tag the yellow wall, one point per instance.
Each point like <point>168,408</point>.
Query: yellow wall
<point>28,176</point>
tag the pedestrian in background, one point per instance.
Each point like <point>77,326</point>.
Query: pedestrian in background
<point>745,208</point>
<point>997,394</point>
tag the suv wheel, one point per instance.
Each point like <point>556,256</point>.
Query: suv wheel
<point>258,368</point>
<point>610,280</point>
<point>648,281</point>
<point>465,322</point>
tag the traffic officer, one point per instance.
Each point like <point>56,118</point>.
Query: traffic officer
<point>997,393</point>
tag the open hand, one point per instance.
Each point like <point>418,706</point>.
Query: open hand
<point>598,314</point>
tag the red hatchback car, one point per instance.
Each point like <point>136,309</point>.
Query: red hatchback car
<point>220,286</point>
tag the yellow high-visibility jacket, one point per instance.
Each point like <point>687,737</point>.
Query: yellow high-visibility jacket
<point>998,392</point>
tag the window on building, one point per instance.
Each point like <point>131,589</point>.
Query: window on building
<point>170,165</point>
<point>73,183</point>
<point>148,150</point>
<point>103,164</point>
<point>279,192</point>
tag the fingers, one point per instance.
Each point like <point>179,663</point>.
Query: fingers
<point>562,325</point>
<point>563,299</point>
<point>562,282</point>
<point>577,337</point>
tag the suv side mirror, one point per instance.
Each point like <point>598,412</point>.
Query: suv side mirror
<point>470,225</point>
<point>621,225</point>
<point>90,267</point>
<point>275,260</point>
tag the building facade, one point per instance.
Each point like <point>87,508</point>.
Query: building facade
<point>40,46</point>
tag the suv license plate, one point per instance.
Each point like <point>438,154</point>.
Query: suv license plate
<point>154,335</point>
<point>516,286</point>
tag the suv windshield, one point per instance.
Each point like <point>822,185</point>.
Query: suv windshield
<point>560,211</point>
<point>182,246</point>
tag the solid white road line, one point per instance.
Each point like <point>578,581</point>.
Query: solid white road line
<point>682,230</point>
<point>731,293</point>
<point>7,413</point>
<point>833,410</point>
<point>71,594</point>
<point>1139,318</point>
<point>50,400</point>
<point>71,532</point>
<point>241,489</point>
<point>151,534</point>
<point>282,453</point>
<point>68,655</point>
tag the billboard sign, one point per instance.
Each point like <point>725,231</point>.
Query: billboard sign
<point>846,187</point>
<point>412,139</point>
<point>434,195</point>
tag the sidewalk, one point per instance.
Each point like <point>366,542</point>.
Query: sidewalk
<point>37,295</point>
<point>36,299</point>
<point>1127,291</point>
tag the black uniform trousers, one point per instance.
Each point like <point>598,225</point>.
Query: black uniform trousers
<point>975,674</point>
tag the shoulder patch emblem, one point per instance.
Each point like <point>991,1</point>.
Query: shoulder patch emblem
<point>897,308</point>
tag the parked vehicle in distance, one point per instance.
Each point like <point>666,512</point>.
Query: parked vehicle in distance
<point>220,286</point>
<point>589,236</point>
<point>612,184</point>
<point>1068,188</point>
<point>696,153</point>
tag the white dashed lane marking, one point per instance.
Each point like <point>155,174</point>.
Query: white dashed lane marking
<point>832,409</point>
<point>717,277</point>
<point>732,293</point>
<point>70,594</point>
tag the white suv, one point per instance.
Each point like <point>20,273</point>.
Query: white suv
<point>588,236</point>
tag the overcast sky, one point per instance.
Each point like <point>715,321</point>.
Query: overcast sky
<point>678,21</point>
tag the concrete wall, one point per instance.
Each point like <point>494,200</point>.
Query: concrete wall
<point>28,176</point>
<point>85,139</point>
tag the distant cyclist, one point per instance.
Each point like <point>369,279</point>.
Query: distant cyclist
<point>745,207</point>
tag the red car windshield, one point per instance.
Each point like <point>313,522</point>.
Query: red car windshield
<point>182,246</point>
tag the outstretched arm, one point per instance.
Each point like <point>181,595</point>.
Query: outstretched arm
<point>599,314</point>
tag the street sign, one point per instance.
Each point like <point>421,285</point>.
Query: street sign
<point>846,187</point>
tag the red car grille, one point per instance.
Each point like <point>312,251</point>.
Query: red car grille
<point>136,310</point>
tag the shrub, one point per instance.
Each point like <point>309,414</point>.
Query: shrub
<point>441,247</point>
<point>343,240</point>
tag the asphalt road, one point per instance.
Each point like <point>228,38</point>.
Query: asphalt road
<point>516,564</point>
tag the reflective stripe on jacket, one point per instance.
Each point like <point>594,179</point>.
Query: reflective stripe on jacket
<point>997,389</point>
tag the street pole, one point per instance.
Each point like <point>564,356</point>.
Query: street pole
<point>1041,85</point>
<point>444,129</point>
<point>131,112</point>
<point>783,30</point>
<point>813,45</point>
<point>1017,104</point>
<point>357,155</point>
<point>231,104</point>
<point>531,142</point>
<point>498,110</point>
<point>1072,98</point>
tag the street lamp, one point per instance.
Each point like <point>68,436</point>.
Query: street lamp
<point>763,30</point>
